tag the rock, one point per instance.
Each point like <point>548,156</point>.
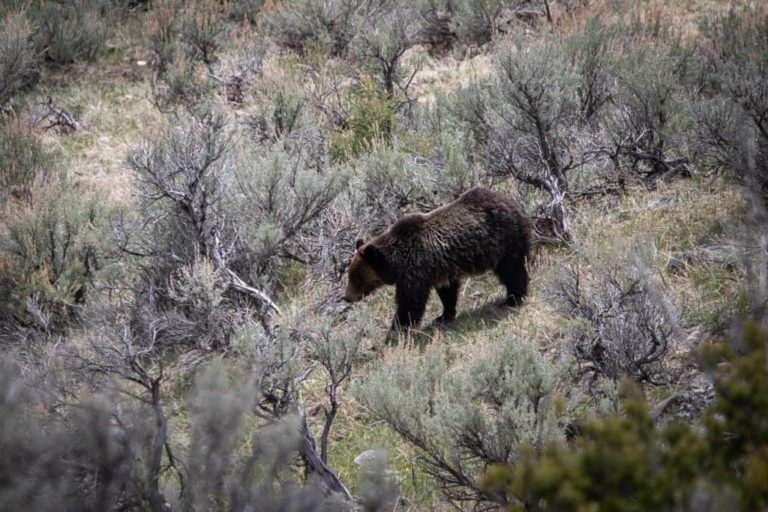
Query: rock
<point>689,404</point>
<point>662,203</point>
<point>368,457</point>
<point>714,255</point>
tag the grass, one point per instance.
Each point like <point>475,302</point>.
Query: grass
<point>114,118</point>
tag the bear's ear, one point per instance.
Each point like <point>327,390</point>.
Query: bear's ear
<point>379,262</point>
<point>358,243</point>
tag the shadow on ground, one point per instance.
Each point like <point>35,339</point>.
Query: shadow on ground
<point>482,317</point>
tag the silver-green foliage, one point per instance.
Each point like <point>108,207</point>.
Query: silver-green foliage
<point>238,464</point>
<point>249,10</point>
<point>398,182</point>
<point>379,44</point>
<point>280,192</point>
<point>49,246</point>
<point>651,107</point>
<point>740,56</point>
<point>210,194</point>
<point>475,21</point>
<point>74,461</point>
<point>306,24</point>
<point>94,453</point>
<point>182,180</point>
<point>23,159</point>
<point>592,51</point>
<point>465,416</point>
<point>219,408</point>
<point>69,32</point>
<point>628,324</point>
<point>18,59</point>
<point>735,122</point>
<point>535,108</point>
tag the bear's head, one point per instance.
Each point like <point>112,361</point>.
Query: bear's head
<point>368,271</point>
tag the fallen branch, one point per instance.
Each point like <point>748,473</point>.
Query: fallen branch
<point>236,283</point>
<point>315,465</point>
<point>661,168</point>
<point>552,224</point>
<point>57,117</point>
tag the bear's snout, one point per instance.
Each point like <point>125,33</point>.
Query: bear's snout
<point>355,295</point>
<point>351,296</point>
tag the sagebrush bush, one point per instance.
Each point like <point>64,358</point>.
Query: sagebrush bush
<point>248,10</point>
<point>651,115</point>
<point>181,83</point>
<point>185,40</point>
<point>49,254</point>
<point>75,461</point>
<point>220,407</point>
<point>527,117</point>
<point>315,24</point>
<point>397,181</point>
<point>23,161</point>
<point>18,58</point>
<point>107,451</point>
<point>628,326</point>
<point>163,27</point>
<point>280,195</point>
<point>70,32</point>
<point>739,54</point>
<point>475,21</point>
<point>245,206</point>
<point>379,45</point>
<point>242,63</point>
<point>592,52</point>
<point>463,417</point>
<point>201,29</point>
<point>200,315</point>
<point>720,131</point>
<point>435,28</point>
<point>737,121</point>
<point>535,106</point>
<point>627,463</point>
<point>467,113</point>
<point>278,111</point>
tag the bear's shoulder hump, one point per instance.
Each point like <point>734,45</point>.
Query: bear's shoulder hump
<point>408,225</point>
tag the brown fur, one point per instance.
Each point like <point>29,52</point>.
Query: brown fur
<point>480,231</point>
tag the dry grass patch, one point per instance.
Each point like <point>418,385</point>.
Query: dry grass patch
<point>114,115</point>
<point>676,217</point>
<point>682,17</point>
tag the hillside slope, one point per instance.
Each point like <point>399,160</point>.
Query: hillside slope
<point>183,184</point>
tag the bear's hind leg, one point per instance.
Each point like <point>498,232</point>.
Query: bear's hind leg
<point>411,303</point>
<point>449,295</point>
<point>514,275</point>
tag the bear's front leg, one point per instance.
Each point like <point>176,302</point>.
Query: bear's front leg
<point>411,303</point>
<point>449,295</point>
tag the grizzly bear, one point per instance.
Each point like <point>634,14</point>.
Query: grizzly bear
<point>481,230</point>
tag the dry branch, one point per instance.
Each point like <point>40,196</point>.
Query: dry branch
<point>237,284</point>
<point>55,116</point>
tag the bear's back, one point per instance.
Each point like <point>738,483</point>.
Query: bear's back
<point>467,236</point>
